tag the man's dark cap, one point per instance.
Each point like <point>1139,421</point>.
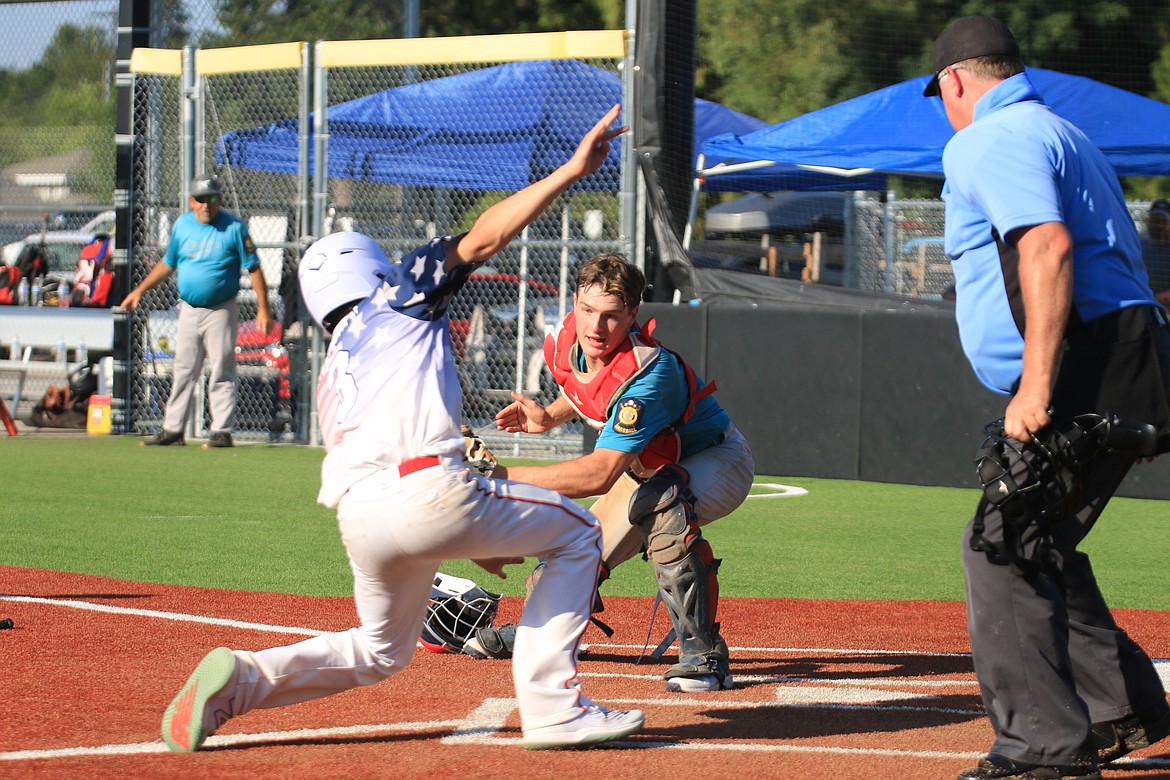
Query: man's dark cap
<point>971,36</point>
<point>205,185</point>
<point>1160,206</point>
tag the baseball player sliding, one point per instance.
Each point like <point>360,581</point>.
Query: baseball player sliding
<point>668,459</point>
<point>389,403</point>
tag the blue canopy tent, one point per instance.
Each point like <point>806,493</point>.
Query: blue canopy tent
<point>497,128</point>
<point>896,130</point>
<point>717,174</point>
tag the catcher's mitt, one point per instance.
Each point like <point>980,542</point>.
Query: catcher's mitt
<point>479,458</point>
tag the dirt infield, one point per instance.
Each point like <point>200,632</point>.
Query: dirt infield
<point>823,690</point>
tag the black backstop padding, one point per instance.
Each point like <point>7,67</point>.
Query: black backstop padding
<point>922,409</point>
<point>788,378</point>
<point>872,393</point>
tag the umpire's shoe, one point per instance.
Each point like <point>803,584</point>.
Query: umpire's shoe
<point>1117,738</point>
<point>995,765</point>
<point>199,709</point>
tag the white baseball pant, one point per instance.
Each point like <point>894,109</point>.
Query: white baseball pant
<point>397,530</point>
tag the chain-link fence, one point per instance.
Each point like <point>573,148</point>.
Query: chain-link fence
<point>320,142</point>
<point>859,240</point>
<point>401,147</point>
<point>184,103</point>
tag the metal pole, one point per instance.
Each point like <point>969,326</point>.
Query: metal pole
<point>134,24</point>
<point>187,148</point>
<point>320,196</point>
<point>410,18</point>
<point>696,185</point>
<point>628,197</point>
<point>888,230</point>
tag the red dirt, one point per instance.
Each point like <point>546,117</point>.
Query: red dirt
<point>75,680</point>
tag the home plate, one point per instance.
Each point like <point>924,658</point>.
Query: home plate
<point>823,694</point>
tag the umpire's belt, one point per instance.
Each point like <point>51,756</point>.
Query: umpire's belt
<point>417,464</point>
<point>1120,325</point>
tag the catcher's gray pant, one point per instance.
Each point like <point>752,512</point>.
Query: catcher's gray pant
<point>721,478</point>
<point>396,531</point>
<point>205,333</point>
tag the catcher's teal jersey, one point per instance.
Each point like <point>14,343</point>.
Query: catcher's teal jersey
<point>655,400</point>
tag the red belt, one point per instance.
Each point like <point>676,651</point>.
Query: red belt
<point>417,464</point>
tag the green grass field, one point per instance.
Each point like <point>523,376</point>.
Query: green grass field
<point>246,519</point>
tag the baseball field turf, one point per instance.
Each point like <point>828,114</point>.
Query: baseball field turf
<point>246,519</point>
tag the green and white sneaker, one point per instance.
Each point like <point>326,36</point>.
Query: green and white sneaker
<point>198,709</point>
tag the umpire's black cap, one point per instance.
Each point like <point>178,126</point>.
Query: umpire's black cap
<point>971,36</point>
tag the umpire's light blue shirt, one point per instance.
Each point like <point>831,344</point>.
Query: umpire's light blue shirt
<point>208,258</point>
<point>1018,164</point>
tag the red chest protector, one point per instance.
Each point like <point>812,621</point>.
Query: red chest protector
<point>593,394</point>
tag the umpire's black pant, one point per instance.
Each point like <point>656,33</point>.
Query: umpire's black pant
<point>1049,658</point>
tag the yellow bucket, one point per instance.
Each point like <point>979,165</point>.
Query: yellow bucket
<point>98,422</point>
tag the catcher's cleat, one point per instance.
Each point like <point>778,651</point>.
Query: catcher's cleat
<point>995,765</point>
<point>597,724</point>
<point>1116,738</point>
<point>198,709</point>
<point>713,675</point>
<point>492,642</point>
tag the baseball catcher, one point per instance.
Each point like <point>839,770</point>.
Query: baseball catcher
<point>668,459</point>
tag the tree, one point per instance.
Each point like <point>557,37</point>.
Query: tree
<point>776,60</point>
<point>68,86</point>
<point>270,21</point>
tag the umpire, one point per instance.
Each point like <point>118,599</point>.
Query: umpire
<point>1054,311</point>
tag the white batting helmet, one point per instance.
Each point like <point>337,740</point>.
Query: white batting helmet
<point>337,270</point>
<point>457,609</point>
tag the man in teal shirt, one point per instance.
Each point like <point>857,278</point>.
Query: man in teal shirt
<point>208,248</point>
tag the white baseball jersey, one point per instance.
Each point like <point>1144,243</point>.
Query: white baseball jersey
<point>396,347</point>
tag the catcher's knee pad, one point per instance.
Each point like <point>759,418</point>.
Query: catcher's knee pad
<point>663,508</point>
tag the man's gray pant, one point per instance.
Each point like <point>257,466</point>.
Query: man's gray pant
<point>205,333</point>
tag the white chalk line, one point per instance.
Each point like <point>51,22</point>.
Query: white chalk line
<point>233,740</point>
<point>481,725</point>
<point>779,491</point>
<point>164,615</point>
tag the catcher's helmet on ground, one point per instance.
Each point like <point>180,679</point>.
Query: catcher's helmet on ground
<point>457,609</point>
<point>338,270</point>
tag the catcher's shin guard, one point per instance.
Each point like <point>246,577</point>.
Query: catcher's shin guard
<point>689,589</point>
<point>663,508</point>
